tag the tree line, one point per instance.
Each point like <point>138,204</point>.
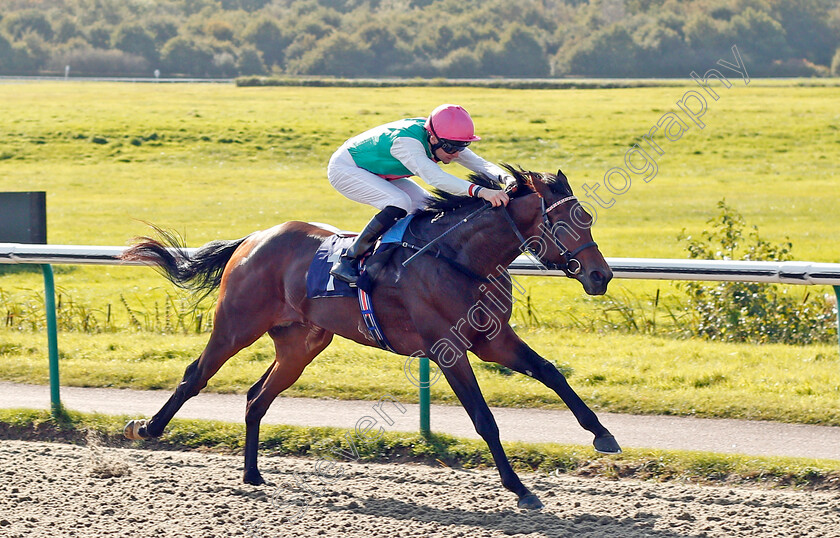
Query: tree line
<point>416,38</point>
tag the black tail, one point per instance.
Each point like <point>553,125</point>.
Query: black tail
<point>200,271</point>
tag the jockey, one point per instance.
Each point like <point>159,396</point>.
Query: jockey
<point>374,168</point>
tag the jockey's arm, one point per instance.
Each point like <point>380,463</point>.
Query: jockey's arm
<point>411,153</point>
<point>468,159</point>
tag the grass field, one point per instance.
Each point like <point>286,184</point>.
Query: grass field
<point>216,161</point>
<point>621,373</point>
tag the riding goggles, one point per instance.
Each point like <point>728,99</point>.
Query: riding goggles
<point>453,146</point>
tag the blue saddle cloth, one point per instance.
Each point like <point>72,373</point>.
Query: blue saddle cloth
<point>319,281</point>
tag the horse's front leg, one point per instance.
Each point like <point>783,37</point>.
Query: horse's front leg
<point>507,349</point>
<point>461,378</point>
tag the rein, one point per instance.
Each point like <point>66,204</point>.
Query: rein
<point>428,245</point>
<point>570,265</point>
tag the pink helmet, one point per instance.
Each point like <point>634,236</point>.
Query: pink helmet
<point>451,122</point>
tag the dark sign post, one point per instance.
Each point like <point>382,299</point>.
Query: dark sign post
<point>23,219</point>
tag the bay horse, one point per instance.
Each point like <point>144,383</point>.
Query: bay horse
<point>261,280</point>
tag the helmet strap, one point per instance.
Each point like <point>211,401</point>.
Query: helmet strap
<point>434,147</point>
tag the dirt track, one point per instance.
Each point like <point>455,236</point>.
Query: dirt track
<point>56,490</point>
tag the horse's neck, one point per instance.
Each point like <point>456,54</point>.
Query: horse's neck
<point>487,244</point>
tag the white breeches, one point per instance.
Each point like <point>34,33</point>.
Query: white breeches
<point>362,186</point>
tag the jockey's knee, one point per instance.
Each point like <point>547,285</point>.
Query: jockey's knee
<point>402,201</point>
<point>417,204</point>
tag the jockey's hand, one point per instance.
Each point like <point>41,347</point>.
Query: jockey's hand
<point>496,198</point>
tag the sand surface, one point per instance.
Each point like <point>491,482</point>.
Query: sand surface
<point>57,490</point>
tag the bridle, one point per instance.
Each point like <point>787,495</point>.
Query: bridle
<point>570,264</point>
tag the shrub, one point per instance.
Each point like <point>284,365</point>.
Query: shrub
<point>608,52</point>
<point>134,39</point>
<point>460,63</point>
<point>766,37</point>
<point>19,23</point>
<point>99,36</point>
<point>24,57</point>
<point>219,30</point>
<point>91,62</point>
<point>795,67</point>
<point>389,51</point>
<point>250,62</point>
<point>224,64</point>
<point>162,29</point>
<point>518,54</point>
<point>267,36</point>
<point>6,53</point>
<point>24,311</point>
<point>340,55</point>
<point>745,311</point>
<point>182,56</point>
<point>65,30</point>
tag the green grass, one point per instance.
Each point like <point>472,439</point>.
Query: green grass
<point>217,161</point>
<point>695,467</point>
<point>619,373</point>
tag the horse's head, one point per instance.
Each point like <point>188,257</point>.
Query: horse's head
<point>560,235</point>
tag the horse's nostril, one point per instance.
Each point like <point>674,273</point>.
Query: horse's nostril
<point>597,277</point>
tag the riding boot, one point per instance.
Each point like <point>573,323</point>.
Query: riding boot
<point>347,267</point>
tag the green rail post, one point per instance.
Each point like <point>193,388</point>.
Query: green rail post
<point>52,337</point>
<point>837,294</point>
<point>425,428</point>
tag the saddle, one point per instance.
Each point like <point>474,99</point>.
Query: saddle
<point>319,282</point>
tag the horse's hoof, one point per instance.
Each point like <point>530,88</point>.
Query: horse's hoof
<point>530,502</point>
<point>606,444</point>
<point>253,477</point>
<point>133,430</point>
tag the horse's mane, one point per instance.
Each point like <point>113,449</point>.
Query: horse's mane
<point>444,202</point>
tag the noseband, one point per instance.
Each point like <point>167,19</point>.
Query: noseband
<point>570,264</point>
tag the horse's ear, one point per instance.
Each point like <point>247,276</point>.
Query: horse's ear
<point>560,174</point>
<point>538,185</point>
<point>523,181</point>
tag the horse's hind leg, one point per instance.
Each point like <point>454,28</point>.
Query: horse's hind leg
<point>296,346</point>
<point>226,341</point>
